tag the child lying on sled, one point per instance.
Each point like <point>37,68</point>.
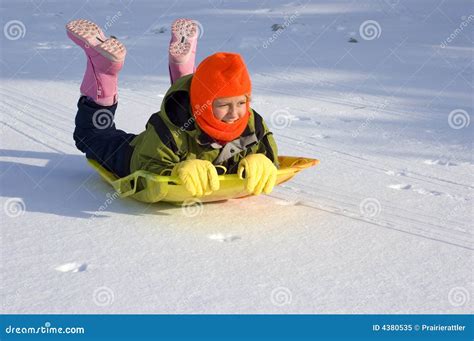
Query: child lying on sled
<point>205,126</point>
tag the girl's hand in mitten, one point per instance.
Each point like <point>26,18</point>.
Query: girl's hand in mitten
<point>199,177</point>
<point>260,173</point>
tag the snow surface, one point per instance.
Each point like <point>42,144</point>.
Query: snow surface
<point>382,225</point>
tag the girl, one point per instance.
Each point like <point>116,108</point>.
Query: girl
<point>205,126</point>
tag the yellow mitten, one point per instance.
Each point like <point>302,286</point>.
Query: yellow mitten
<point>199,177</point>
<point>260,173</point>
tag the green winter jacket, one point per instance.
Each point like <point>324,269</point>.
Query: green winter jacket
<point>171,136</point>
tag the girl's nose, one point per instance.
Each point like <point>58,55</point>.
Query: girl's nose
<point>232,112</point>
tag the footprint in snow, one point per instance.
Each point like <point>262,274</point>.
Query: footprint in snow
<point>52,46</point>
<point>308,119</point>
<point>287,202</point>
<point>426,191</point>
<point>399,186</point>
<point>223,238</point>
<point>72,267</point>
<point>393,173</point>
<point>320,136</point>
<point>439,162</point>
<point>422,191</point>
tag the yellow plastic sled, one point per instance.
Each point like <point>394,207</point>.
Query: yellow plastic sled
<point>169,189</point>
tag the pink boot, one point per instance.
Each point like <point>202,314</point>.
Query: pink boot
<point>105,57</point>
<point>182,50</point>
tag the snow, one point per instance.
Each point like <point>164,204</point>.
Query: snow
<point>382,225</point>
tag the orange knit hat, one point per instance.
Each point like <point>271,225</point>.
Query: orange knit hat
<point>222,74</point>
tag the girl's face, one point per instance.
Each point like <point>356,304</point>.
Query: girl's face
<point>229,109</point>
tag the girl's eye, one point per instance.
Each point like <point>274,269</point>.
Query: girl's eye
<point>242,103</point>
